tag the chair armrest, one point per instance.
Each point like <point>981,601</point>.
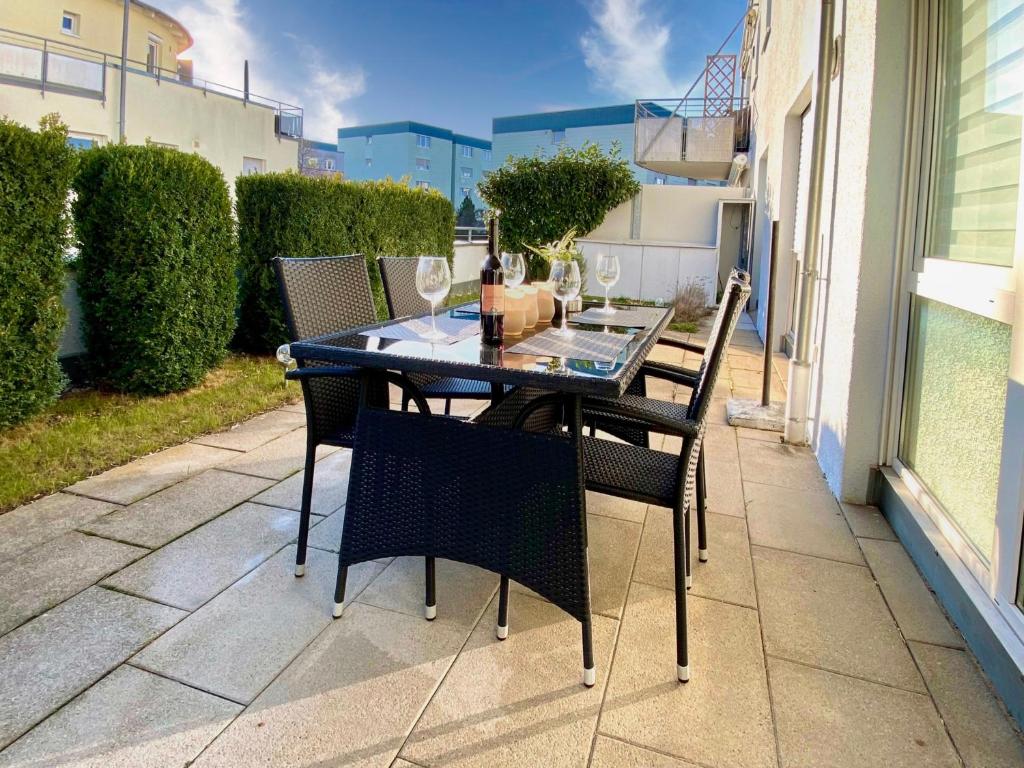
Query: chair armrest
<point>674,373</point>
<point>677,343</point>
<point>348,372</point>
<point>612,409</point>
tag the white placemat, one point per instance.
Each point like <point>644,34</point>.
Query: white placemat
<point>455,329</point>
<point>582,345</point>
<point>621,318</point>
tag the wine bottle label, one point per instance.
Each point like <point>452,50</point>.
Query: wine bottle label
<point>492,299</point>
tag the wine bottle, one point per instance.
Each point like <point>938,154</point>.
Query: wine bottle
<point>492,288</point>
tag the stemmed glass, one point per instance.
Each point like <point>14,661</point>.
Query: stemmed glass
<point>607,275</point>
<point>433,281</point>
<point>514,267</point>
<point>565,284</point>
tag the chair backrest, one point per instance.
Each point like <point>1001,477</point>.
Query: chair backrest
<point>398,273</point>
<point>324,294</point>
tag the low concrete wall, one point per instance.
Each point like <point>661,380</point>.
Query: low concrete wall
<point>466,266</point>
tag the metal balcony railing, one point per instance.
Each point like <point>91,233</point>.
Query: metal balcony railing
<point>693,130</point>
<point>59,67</point>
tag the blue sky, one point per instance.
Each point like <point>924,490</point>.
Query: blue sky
<point>454,63</point>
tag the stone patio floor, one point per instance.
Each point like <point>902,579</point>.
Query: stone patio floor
<point>149,617</point>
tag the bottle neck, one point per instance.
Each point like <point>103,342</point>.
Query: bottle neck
<point>492,237</point>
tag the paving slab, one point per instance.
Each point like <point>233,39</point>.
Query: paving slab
<point>830,615</point>
<point>39,521</point>
<point>799,521</point>
<point>237,643</point>
<point>129,719</point>
<point>611,753</point>
<point>911,602</point>
<point>520,701</point>
<point>56,656</point>
<point>867,522</point>
<point>350,698</point>
<point>173,512</point>
<point>277,459</point>
<point>609,506</point>
<point>829,719</point>
<point>724,489</point>
<point>330,486</point>
<point>721,716</point>
<point>325,532</point>
<point>780,464</point>
<point>727,575</point>
<point>39,579</point>
<point>254,432</point>
<point>298,407</point>
<point>149,474</point>
<point>189,571</point>
<point>981,730</point>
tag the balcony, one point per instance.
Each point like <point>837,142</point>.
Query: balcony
<point>695,138</point>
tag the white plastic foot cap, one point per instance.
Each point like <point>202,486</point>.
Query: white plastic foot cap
<point>689,581</point>
<point>502,632</point>
<point>339,608</point>
<point>702,555</point>
<point>430,611</point>
<point>589,676</point>
<point>683,672</point>
<point>300,570</point>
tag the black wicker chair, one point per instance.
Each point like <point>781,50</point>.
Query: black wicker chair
<point>398,273</point>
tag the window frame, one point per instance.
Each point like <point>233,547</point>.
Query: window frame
<point>76,23</point>
<point>154,45</point>
<point>422,141</point>
<point>422,163</point>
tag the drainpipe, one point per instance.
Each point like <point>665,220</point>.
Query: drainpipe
<point>124,73</point>
<point>799,383</point>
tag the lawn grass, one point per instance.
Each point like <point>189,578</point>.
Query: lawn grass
<point>684,327</point>
<point>88,431</point>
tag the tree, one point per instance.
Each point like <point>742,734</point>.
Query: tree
<point>466,215</point>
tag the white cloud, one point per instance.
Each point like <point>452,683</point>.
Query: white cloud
<point>625,49</point>
<point>223,43</point>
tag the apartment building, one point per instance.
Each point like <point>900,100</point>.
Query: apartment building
<point>321,158</point>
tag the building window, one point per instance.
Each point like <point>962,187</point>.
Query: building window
<point>369,162</point>
<point>659,179</point>
<point>153,54</point>
<point>251,165</point>
<point>369,139</point>
<point>329,164</point>
<point>423,184</point>
<point>467,173</point>
<point>70,23</point>
<point>487,155</point>
<point>467,192</point>
<point>422,141</point>
<point>422,164</point>
<point>467,151</point>
<point>558,136</point>
<point>77,142</point>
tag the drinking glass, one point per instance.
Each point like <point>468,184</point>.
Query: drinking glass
<point>565,284</point>
<point>514,268</point>
<point>607,275</point>
<point>433,281</point>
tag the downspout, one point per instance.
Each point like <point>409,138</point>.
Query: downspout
<point>122,97</point>
<point>799,381</point>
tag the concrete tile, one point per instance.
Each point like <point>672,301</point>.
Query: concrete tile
<point>277,459</point>
<point>981,730</point>
<point>719,445</point>
<point>463,591</point>
<point>828,719</point>
<point>53,658</point>
<point>609,506</point>
<point>780,464</point>
<point>298,407</point>
<point>330,486</point>
<point>867,522</point>
<point>255,431</point>
<point>911,602</point>
<point>724,489</point>
<point>189,571</point>
<point>173,512</point>
<point>520,701</point>
<point>716,411</point>
<point>41,578</point>
<point>611,753</point>
<point>325,532</point>
<point>746,433</point>
<point>149,474</point>
<point>830,615</point>
<point>721,716</point>
<point>350,698</point>
<point>129,719</point>
<point>47,518</point>
<point>800,521</point>
<point>221,648</point>
<point>727,575</point>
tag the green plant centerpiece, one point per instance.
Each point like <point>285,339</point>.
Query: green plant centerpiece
<point>563,249</point>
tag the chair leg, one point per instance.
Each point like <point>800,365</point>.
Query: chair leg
<point>702,526</point>
<point>306,506</point>
<point>339,591</point>
<point>679,555</point>
<point>689,572</point>
<point>430,606</point>
<point>405,401</point>
<point>502,631</point>
<point>589,670</point>
<point>448,406</point>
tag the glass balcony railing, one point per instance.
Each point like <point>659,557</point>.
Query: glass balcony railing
<point>691,137</point>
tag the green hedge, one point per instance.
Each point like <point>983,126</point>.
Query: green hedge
<point>36,169</point>
<point>157,267</point>
<point>286,214</point>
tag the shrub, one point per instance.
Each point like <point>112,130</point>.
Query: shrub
<point>157,266</point>
<point>541,198</point>
<point>285,214</point>
<point>690,303</point>
<point>36,169</point>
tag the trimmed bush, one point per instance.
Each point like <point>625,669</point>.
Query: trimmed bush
<point>286,214</point>
<point>36,169</point>
<point>157,267</point>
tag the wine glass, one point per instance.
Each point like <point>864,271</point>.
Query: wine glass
<point>433,281</point>
<point>514,268</point>
<point>607,275</point>
<point>565,284</point>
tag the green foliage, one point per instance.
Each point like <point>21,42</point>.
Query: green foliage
<point>156,272</point>
<point>540,198</point>
<point>285,214</point>
<point>466,215</point>
<point>36,169</point>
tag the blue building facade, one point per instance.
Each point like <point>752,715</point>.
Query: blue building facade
<point>320,158</point>
<point>431,157</point>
